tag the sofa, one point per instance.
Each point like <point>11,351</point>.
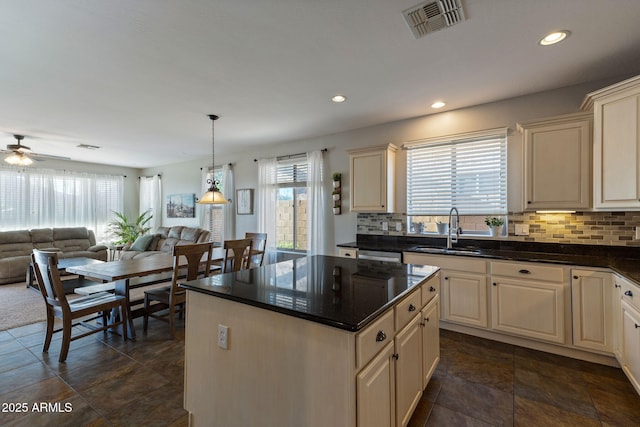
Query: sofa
<point>163,241</point>
<point>16,248</point>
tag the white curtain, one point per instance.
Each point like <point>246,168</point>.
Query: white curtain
<point>151,199</point>
<point>228,214</point>
<point>316,208</point>
<point>203,211</point>
<point>267,205</point>
<point>39,198</point>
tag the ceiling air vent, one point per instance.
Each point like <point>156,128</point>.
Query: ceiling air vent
<point>432,16</point>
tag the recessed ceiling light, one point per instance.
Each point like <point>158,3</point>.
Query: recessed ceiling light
<point>438,104</point>
<point>338,98</point>
<point>553,38</point>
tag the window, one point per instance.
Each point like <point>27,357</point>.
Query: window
<point>469,172</point>
<point>291,205</point>
<point>34,198</point>
<point>214,214</point>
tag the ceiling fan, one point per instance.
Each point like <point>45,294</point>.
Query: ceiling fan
<point>21,155</point>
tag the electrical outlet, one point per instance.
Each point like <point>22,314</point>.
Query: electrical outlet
<point>522,229</point>
<point>637,232</point>
<point>398,226</point>
<point>385,226</point>
<point>223,337</point>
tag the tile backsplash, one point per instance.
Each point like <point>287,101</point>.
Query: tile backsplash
<point>592,228</point>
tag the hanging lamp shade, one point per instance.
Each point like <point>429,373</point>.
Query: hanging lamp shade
<point>213,196</point>
<point>18,159</point>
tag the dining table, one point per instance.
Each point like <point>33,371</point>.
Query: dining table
<point>136,273</point>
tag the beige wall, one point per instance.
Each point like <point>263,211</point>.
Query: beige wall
<point>185,177</point>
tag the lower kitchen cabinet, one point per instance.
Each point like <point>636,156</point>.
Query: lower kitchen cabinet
<point>464,298</point>
<point>591,298</point>
<point>616,314</point>
<point>631,343</point>
<point>430,339</point>
<point>376,391</point>
<point>529,300</point>
<point>409,388</point>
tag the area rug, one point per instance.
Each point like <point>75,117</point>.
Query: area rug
<point>20,306</point>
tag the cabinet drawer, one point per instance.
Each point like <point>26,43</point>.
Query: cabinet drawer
<point>430,289</point>
<point>630,292</point>
<point>348,253</point>
<point>373,338</point>
<point>407,309</point>
<point>528,271</point>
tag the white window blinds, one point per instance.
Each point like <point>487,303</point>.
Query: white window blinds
<point>468,173</point>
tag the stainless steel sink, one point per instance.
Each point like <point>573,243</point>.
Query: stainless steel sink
<point>453,251</point>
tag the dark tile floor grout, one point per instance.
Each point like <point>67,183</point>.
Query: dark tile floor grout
<point>478,382</point>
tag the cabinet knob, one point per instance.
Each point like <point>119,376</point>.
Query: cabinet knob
<point>395,356</point>
<point>495,284</point>
<point>381,336</point>
<point>524,271</point>
<point>629,293</point>
<point>576,277</point>
<point>636,325</point>
<point>615,285</point>
<point>347,254</point>
<point>528,202</point>
<point>426,318</point>
<point>412,307</point>
<point>446,278</point>
<point>432,289</point>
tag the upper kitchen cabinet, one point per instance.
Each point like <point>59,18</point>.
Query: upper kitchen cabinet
<point>616,145</point>
<point>372,179</point>
<point>557,162</point>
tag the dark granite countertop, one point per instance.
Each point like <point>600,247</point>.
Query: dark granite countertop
<point>339,292</point>
<point>623,260</point>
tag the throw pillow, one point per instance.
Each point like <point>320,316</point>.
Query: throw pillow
<point>142,243</point>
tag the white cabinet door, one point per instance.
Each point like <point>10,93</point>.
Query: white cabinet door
<point>528,308</point>
<point>464,297</point>
<point>430,339</point>
<point>557,150</point>
<point>372,179</point>
<point>616,312</point>
<point>408,371</point>
<point>376,391</point>
<point>631,344</point>
<point>592,310</point>
<point>616,145</point>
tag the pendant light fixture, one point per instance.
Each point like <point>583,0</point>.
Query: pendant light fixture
<point>213,196</point>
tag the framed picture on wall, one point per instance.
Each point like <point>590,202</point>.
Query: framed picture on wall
<point>181,205</point>
<point>244,201</point>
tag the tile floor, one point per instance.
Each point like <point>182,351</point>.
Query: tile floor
<point>478,383</point>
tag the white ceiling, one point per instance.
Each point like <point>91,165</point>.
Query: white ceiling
<point>138,78</point>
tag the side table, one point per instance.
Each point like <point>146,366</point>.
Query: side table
<point>114,251</point>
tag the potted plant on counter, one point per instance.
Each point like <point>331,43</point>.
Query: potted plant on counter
<point>495,224</point>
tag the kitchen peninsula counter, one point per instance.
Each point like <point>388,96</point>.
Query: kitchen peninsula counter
<point>294,332</point>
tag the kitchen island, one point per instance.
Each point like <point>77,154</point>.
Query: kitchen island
<point>314,341</point>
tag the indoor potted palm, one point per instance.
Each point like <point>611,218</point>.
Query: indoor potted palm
<point>127,231</point>
<point>495,224</point>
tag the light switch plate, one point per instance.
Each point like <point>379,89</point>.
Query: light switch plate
<point>385,226</point>
<point>522,229</point>
<point>637,232</point>
<point>398,226</point>
<point>223,336</point>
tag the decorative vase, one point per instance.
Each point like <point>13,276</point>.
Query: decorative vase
<point>336,197</point>
<point>336,184</point>
<point>442,227</point>
<point>336,211</point>
<point>495,230</point>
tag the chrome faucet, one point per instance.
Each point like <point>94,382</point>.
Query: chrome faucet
<point>453,239</point>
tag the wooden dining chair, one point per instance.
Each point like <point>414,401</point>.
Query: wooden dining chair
<point>171,297</point>
<point>236,255</point>
<point>258,247</point>
<point>45,265</point>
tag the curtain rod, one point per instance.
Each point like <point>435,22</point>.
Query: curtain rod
<point>150,176</point>
<point>228,164</point>
<point>292,156</point>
